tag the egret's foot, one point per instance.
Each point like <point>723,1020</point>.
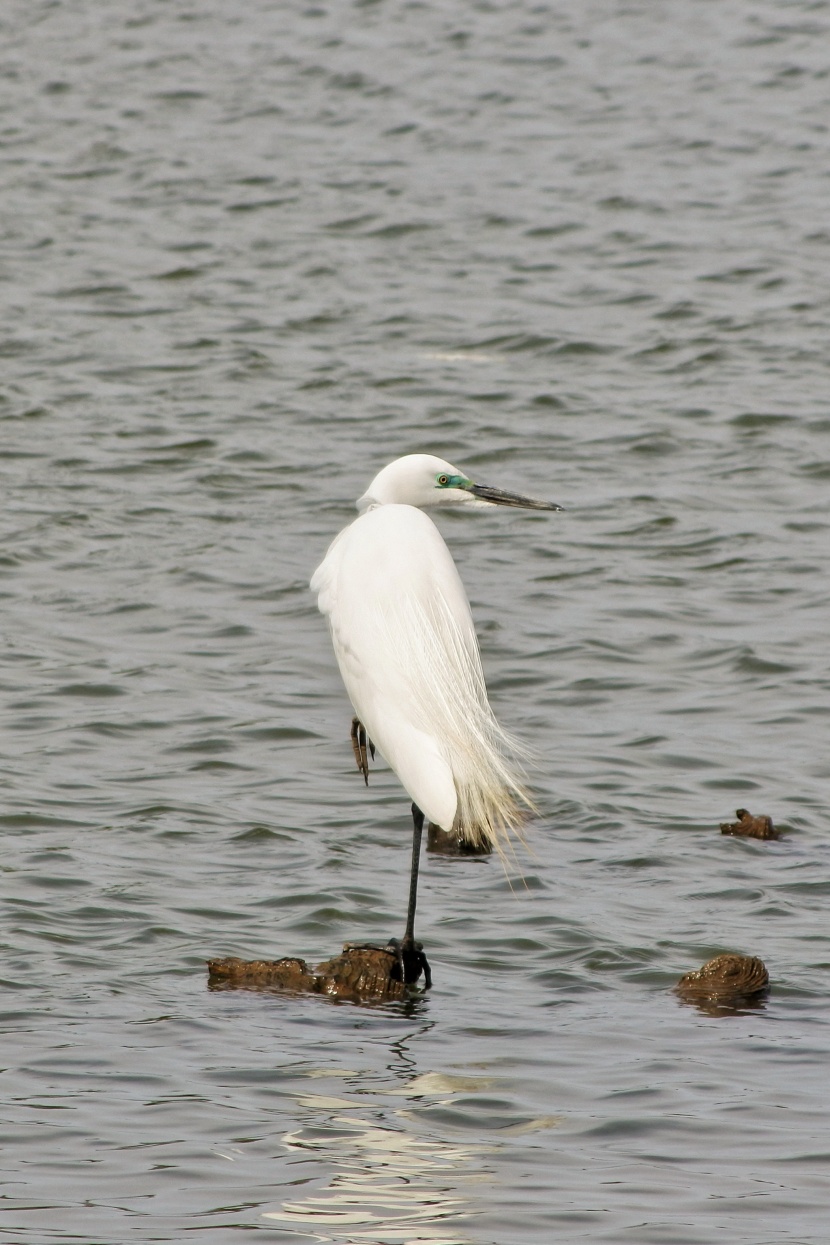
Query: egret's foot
<point>360,742</point>
<point>411,961</point>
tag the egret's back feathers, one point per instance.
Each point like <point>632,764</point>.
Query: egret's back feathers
<point>405,643</point>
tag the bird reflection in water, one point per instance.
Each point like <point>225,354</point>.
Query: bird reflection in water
<point>389,1185</point>
<point>394,1180</point>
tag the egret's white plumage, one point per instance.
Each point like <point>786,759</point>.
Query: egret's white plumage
<point>404,640</point>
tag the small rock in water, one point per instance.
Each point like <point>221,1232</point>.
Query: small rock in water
<point>447,843</point>
<point>750,827</point>
<point>725,983</point>
<point>359,974</point>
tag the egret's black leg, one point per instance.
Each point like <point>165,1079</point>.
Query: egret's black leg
<point>411,959</point>
<point>417,831</point>
<point>360,741</point>
<point>409,954</point>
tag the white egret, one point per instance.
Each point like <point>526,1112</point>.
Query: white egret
<point>404,640</point>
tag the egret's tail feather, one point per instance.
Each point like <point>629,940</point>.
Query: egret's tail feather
<point>447,685</point>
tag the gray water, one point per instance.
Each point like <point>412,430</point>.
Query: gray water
<point>250,252</point>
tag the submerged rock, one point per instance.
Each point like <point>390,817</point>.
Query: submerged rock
<point>725,983</point>
<point>359,974</point>
<point>750,827</point>
<point>447,843</point>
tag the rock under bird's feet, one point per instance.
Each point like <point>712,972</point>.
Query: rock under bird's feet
<point>410,960</point>
<point>360,743</point>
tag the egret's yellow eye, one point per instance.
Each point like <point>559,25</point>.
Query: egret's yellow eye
<point>443,480</point>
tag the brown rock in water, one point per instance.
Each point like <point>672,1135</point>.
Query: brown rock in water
<point>360,974</point>
<point>233,973</point>
<point>750,827</point>
<point>446,843</point>
<point>725,982</point>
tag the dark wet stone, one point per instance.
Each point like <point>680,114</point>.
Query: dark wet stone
<point>725,983</point>
<point>360,974</point>
<point>750,827</point>
<point>448,843</point>
<point>233,973</point>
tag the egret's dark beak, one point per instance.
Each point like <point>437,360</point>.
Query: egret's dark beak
<point>499,498</point>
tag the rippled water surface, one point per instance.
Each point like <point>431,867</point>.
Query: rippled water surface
<point>248,254</point>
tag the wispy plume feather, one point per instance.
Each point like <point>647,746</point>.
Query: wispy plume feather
<point>447,689</point>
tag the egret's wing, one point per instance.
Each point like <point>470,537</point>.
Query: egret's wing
<point>382,564</point>
<point>405,643</point>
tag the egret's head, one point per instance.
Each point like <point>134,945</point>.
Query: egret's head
<point>424,480</point>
